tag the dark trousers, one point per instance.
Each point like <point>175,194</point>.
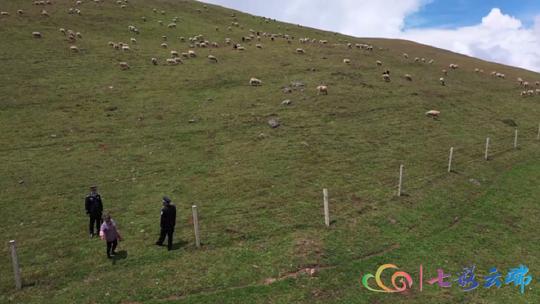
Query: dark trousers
<point>111,247</point>
<point>95,219</point>
<point>166,232</point>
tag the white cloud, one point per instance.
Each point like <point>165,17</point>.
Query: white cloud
<point>497,37</point>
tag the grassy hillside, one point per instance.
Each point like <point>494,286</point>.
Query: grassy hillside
<point>199,133</point>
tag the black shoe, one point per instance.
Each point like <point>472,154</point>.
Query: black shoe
<point>109,256</point>
<point>159,244</point>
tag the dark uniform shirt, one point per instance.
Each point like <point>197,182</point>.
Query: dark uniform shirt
<point>93,204</point>
<point>168,217</point>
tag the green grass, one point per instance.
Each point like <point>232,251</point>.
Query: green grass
<point>259,198</point>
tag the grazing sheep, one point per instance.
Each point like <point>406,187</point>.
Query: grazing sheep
<point>174,54</point>
<point>62,30</point>
<point>431,61</point>
<point>537,83</point>
<point>123,65</point>
<point>125,48</point>
<point>525,84</point>
<point>408,77</point>
<point>405,55</point>
<point>164,45</point>
<point>322,90</point>
<point>79,35</point>
<point>259,46</point>
<point>300,51</point>
<point>192,54</point>
<point>442,81</point>
<point>172,61</point>
<point>386,77</point>
<point>44,13</point>
<point>255,82</point>
<point>20,12</point>
<point>74,49</point>
<point>477,70</point>
<point>36,34</point>
<point>347,61</point>
<point>416,59</point>
<point>212,58</point>
<point>154,61</point>
<point>379,63</point>
<point>133,40</point>
<point>433,113</point>
<point>501,75</point>
<point>178,60</point>
<point>453,66</point>
<point>520,80</point>
<point>171,25</point>
<point>143,19</point>
<point>4,13</point>
<point>445,72</point>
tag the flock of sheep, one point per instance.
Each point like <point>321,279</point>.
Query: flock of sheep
<point>199,41</point>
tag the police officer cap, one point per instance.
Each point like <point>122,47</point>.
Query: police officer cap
<point>166,200</point>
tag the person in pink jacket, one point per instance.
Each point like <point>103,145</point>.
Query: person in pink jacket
<point>110,234</point>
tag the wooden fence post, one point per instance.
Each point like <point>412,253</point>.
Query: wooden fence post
<point>196,225</point>
<point>516,139</point>
<point>486,154</point>
<point>326,208</point>
<point>450,159</point>
<point>15,262</point>
<point>400,185</point>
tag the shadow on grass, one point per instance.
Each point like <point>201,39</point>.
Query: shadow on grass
<point>179,245</point>
<point>120,255</point>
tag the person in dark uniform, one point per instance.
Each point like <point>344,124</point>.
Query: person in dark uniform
<point>168,221</point>
<point>94,210</point>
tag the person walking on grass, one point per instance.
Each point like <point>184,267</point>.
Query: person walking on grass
<point>110,234</point>
<point>94,209</point>
<point>167,223</point>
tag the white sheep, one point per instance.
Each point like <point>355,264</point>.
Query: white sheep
<point>300,51</point>
<point>4,13</point>
<point>37,35</point>
<point>255,82</point>
<point>44,13</point>
<point>62,30</point>
<point>445,72</point>
<point>259,46</point>
<point>442,81</point>
<point>174,54</point>
<point>405,55</point>
<point>123,65</point>
<point>347,61</point>
<point>386,77</point>
<point>433,113</point>
<point>125,48</point>
<point>20,12</point>
<point>79,35</point>
<point>408,77</point>
<point>172,61</point>
<point>322,90</point>
<point>378,62</point>
<point>74,49</point>
<point>164,45</point>
<point>212,58</point>
<point>192,54</point>
<point>154,61</point>
<point>171,25</point>
<point>453,66</point>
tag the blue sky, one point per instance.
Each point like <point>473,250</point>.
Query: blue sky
<point>504,31</point>
<point>458,13</point>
